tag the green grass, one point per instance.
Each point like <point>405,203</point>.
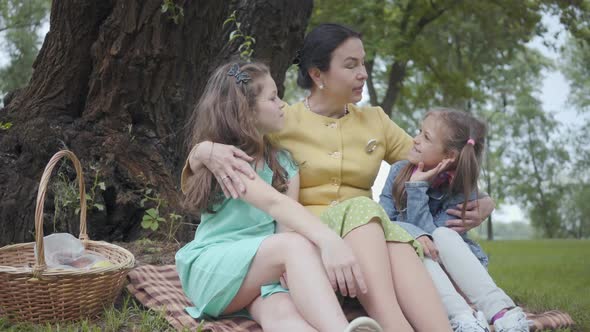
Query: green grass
<point>126,316</point>
<point>544,275</point>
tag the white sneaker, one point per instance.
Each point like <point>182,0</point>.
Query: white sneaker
<point>470,322</point>
<point>514,320</point>
<point>363,324</point>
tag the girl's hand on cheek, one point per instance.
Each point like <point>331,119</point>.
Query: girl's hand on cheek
<point>421,175</point>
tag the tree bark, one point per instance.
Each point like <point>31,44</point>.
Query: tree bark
<point>114,82</point>
<point>370,82</point>
<point>397,74</point>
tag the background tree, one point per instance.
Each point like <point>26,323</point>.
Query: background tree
<point>576,67</point>
<point>441,49</point>
<point>20,22</point>
<point>117,90</point>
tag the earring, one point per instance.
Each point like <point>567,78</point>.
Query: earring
<point>322,86</point>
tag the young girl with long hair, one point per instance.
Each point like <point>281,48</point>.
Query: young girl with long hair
<point>442,171</point>
<point>236,259</point>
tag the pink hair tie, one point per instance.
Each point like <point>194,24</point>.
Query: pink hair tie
<point>471,141</point>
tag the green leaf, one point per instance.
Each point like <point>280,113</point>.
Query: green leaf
<point>99,207</point>
<point>228,20</point>
<point>154,226</point>
<point>146,224</point>
<point>234,34</point>
<point>153,213</point>
<point>244,46</point>
<point>102,186</point>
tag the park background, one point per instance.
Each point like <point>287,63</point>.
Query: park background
<point>522,66</point>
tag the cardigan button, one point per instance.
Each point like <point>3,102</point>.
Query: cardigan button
<point>334,203</point>
<point>335,154</point>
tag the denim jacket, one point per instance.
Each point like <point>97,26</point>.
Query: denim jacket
<point>426,208</point>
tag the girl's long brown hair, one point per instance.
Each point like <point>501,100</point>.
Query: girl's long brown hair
<point>459,128</point>
<point>226,114</point>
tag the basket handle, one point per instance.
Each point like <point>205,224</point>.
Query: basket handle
<point>40,264</point>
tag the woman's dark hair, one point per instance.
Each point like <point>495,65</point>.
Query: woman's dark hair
<point>318,46</point>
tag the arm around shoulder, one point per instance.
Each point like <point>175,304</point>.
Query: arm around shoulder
<point>285,210</point>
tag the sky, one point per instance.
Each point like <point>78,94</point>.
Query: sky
<point>553,94</point>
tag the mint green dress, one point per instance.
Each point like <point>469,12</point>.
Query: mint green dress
<point>213,266</point>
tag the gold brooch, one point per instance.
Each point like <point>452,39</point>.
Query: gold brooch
<point>371,145</point>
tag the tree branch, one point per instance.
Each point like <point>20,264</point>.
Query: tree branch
<point>18,26</point>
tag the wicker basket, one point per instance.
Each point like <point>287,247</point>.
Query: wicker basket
<point>29,291</point>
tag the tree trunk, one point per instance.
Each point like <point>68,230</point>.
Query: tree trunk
<point>369,65</point>
<point>114,82</point>
<point>397,74</point>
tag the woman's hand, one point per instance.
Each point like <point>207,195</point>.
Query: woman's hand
<point>429,247</point>
<point>223,161</point>
<point>476,213</point>
<point>421,175</point>
<point>342,267</point>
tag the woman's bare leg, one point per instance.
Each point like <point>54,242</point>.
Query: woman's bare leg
<point>380,302</point>
<point>277,313</point>
<point>309,286</point>
<point>415,290</point>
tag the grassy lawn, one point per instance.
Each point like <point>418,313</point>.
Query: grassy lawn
<point>544,274</point>
<point>127,315</point>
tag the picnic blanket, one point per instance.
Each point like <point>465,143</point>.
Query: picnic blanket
<point>158,288</point>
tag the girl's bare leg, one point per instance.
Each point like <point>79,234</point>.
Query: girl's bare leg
<point>309,286</point>
<point>277,313</point>
<point>380,302</point>
<point>415,290</point>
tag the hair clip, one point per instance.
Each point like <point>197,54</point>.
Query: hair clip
<point>471,141</point>
<point>241,76</point>
<point>297,59</point>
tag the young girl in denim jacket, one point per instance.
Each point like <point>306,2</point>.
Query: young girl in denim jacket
<point>442,171</point>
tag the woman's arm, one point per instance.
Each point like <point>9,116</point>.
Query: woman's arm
<point>339,261</point>
<point>223,161</point>
<point>477,212</point>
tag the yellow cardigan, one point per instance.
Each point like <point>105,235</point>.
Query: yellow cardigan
<point>338,158</point>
